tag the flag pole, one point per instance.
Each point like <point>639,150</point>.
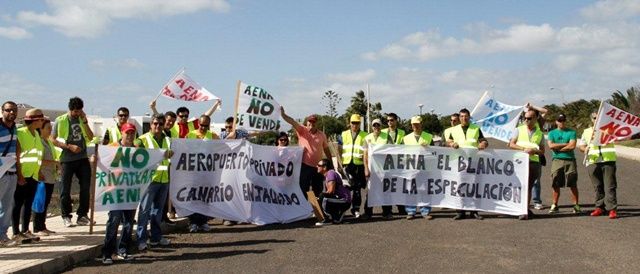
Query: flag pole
<point>593,134</point>
<point>368,109</point>
<point>94,164</point>
<point>174,76</point>
<point>478,103</point>
<point>235,108</point>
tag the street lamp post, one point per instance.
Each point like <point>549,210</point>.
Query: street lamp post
<point>420,106</point>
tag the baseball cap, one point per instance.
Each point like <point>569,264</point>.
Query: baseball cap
<point>126,127</point>
<point>376,121</point>
<point>416,120</point>
<point>561,117</point>
<point>33,114</point>
<point>355,118</point>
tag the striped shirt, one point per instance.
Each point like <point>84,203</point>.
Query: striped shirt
<point>6,140</point>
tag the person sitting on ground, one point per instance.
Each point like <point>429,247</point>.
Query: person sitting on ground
<point>336,199</point>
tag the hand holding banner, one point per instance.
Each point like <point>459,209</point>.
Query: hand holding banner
<point>182,87</point>
<point>256,109</point>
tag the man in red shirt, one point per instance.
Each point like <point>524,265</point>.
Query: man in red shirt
<point>314,143</point>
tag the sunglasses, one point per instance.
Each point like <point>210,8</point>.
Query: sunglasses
<point>184,116</point>
<point>391,120</point>
<point>14,110</point>
<point>376,125</point>
<point>283,140</point>
<point>156,124</point>
<point>123,115</point>
<point>528,118</point>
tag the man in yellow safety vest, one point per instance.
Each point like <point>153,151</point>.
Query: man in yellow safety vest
<point>530,139</point>
<point>113,134</point>
<point>601,162</point>
<point>418,138</point>
<point>352,150</point>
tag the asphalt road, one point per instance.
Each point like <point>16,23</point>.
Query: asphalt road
<point>560,243</point>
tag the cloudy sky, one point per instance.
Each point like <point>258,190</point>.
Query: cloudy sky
<point>442,54</point>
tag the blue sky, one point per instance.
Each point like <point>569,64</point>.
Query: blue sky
<point>442,54</point>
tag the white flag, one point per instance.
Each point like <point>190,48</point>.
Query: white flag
<point>614,124</point>
<point>496,119</point>
<point>257,110</point>
<point>182,87</point>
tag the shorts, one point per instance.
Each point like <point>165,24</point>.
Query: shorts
<point>564,173</point>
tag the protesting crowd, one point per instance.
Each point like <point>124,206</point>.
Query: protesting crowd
<point>43,148</point>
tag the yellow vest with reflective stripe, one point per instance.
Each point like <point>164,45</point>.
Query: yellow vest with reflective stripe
<point>598,154</point>
<point>114,134</point>
<point>425,139</point>
<point>381,140</point>
<point>62,123</point>
<point>352,150</point>
<point>523,140</point>
<point>447,133</point>
<point>162,172</point>
<point>399,135</point>
<point>31,150</point>
<point>175,130</point>
<point>207,136</point>
<point>470,140</point>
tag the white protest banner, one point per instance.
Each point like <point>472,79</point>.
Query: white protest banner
<point>468,179</point>
<point>614,124</point>
<point>236,180</point>
<point>182,87</point>
<point>123,175</point>
<point>256,109</point>
<point>496,119</point>
<point>5,164</point>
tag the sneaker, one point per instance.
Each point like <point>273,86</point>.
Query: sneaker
<point>142,247</point>
<point>577,209</point>
<point>228,223</point>
<point>162,242</point>
<point>597,212</point>
<point>428,216</point>
<point>8,243</point>
<point>67,222</point>
<point>107,261</point>
<point>21,239</point>
<point>477,216</point>
<point>553,209</point>
<point>538,206</point>
<point>459,216</point>
<point>323,223</point>
<point>193,228</point>
<point>49,231</point>
<point>30,235</point>
<point>124,257</point>
<point>83,221</point>
<point>169,222</point>
<point>411,216</point>
<point>41,233</point>
<point>205,228</point>
<point>356,214</point>
<point>613,214</point>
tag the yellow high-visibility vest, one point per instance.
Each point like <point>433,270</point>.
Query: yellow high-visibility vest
<point>207,136</point>
<point>598,154</point>
<point>425,139</point>
<point>469,140</point>
<point>536,138</point>
<point>399,135</point>
<point>31,150</point>
<point>162,172</point>
<point>353,150</point>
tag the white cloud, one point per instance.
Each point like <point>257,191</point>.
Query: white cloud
<point>91,18</point>
<point>127,63</point>
<point>567,62</point>
<point>612,10</point>
<point>354,77</point>
<point>14,33</point>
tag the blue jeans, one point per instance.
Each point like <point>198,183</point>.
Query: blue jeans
<point>150,211</point>
<point>110,238</point>
<point>8,185</point>
<point>424,210</point>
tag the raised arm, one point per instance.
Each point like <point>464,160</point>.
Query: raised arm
<point>288,119</point>
<point>213,108</point>
<point>152,105</point>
